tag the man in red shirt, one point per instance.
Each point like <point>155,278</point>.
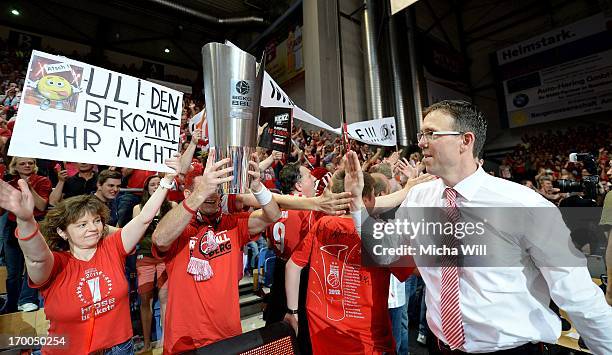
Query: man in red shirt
<point>284,236</point>
<point>347,303</point>
<point>201,248</point>
<point>288,231</point>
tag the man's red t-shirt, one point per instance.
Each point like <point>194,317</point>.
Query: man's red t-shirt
<point>201,313</point>
<point>289,231</point>
<point>87,301</point>
<point>346,303</point>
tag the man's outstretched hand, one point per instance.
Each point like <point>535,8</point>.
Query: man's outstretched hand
<point>353,179</point>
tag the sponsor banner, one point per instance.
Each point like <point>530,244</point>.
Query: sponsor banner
<point>73,111</point>
<point>551,39</point>
<point>561,74</point>
<point>284,57</point>
<point>275,125</point>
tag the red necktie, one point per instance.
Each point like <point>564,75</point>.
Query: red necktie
<point>449,290</point>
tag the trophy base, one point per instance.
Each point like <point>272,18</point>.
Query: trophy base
<point>239,160</point>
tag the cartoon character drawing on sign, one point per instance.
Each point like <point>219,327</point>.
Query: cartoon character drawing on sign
<point>52,84</point>
<point>53,89</point>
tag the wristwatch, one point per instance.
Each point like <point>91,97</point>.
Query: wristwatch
<point>292,311</point>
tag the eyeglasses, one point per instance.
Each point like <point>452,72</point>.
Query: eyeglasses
<point>433,135</point>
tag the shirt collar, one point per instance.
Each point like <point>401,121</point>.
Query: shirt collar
<point>468,187</point>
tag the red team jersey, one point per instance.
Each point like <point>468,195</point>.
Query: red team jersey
<point>87,302</point>
<point>201,313</point>
<point>289,231</point>
<point>346,303</point>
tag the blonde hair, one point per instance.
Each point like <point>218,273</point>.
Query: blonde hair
<point>13,164</point>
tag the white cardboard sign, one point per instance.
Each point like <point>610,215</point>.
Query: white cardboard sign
<point>73,111</point>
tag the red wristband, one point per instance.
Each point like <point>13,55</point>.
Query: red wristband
<point>187,207</point>
<point>29,236</point>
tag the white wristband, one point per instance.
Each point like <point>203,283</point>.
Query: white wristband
<point>167,183</point>
<point>263,196</point>
<point>356,216</point>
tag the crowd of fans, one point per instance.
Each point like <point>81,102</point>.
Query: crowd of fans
<point>541,160</point>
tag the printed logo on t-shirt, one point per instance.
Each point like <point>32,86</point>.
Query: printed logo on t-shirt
<point>224,242</point>
<point>333,279</point>
<point>333,260</point>
<point>93,289</point>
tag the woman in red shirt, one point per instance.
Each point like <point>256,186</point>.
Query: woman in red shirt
<point>17,288</point>
<point>80,272</point>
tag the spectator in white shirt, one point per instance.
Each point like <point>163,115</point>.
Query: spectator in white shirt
<point>502,309</point>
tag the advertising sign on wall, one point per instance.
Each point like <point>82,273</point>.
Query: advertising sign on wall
<point>560,74</point>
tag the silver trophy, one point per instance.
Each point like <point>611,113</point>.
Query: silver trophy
<point>232,90</point>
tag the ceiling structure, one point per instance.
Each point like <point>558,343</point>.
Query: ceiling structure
<point>145,28</point>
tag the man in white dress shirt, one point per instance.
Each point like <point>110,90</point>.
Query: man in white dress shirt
<point>498,309</point>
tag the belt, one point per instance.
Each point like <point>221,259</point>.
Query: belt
<point>528,348</point>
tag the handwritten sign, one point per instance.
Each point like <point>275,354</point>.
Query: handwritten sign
<point>73,111</point>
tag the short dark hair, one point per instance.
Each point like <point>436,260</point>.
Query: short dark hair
<point>288,176</point>
<point>108,174</point>
<point>467,118</point>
